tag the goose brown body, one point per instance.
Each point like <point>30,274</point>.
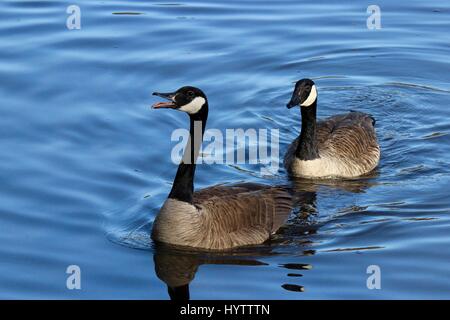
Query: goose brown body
<point>223,217</point>
<point>347,146</point>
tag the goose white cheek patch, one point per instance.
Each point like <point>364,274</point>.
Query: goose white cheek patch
<point>311,98</point>
<point>194,106</point>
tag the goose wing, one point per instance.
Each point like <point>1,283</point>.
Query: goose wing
<point>241,214</point>
<point>350,137</point>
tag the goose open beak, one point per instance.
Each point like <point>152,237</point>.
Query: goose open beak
<point>168,105</point>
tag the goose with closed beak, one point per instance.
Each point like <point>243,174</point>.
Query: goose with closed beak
<point>341,146</point>
<point>218,217</point>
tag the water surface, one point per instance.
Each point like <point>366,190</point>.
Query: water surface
<point>85,163</point>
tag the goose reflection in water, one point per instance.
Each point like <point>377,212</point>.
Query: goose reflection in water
<point>354,185</point>
<point>177,268</point>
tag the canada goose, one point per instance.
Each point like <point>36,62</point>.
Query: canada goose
<point>218,217</point>
<point>343,145</point>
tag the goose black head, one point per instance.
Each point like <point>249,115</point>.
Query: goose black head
<point>188,99</point>
<point>304,95</point>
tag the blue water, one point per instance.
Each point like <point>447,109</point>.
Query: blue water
<point>85,163</point>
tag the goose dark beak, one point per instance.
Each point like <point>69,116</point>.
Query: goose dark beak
<point>295,101</point>
<point>168,105</point>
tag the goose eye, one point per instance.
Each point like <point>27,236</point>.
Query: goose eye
<point>190,94</point>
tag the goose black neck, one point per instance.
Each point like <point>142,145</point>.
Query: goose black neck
<point>307,146</point>
<point>183,184</point>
